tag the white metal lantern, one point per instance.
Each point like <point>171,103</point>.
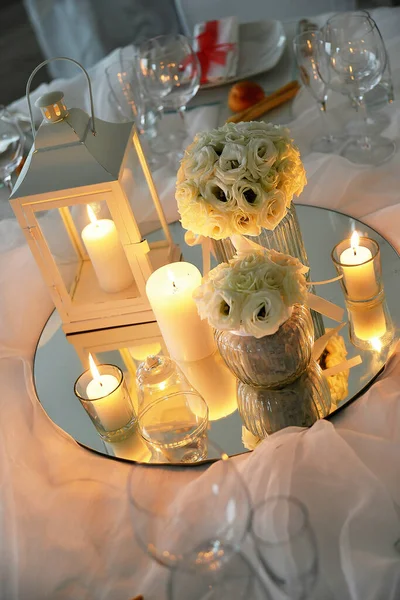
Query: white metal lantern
<point>75,200</point>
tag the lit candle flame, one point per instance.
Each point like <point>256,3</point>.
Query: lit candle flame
<point>376,344</point>
<point>355,241</point>
<point>92,216</point>
<point>93,369</point>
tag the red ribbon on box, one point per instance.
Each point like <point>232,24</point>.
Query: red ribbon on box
<point>210,51</point>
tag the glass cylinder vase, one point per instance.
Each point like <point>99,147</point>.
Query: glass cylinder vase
<point>272,361</point>
<point>286,238</point>
<point>301,403</point>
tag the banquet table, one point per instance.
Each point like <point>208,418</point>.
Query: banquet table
<point>65,526</point>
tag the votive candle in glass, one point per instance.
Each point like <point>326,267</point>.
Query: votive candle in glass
<point>357,260</point>
<point>104,395</point>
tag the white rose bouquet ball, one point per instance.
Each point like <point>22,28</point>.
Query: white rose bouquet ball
<point>238,179</point>
<point>253,294</point>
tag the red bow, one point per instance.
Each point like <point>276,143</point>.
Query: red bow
<point>209,50</point>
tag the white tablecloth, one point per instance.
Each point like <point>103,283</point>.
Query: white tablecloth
<point>65,529</point>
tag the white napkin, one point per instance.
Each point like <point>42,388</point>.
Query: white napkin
<point>218,59</point>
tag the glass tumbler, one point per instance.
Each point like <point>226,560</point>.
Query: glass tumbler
<point>107,402</point>
<point>359,264</point>
<point>176,426</point>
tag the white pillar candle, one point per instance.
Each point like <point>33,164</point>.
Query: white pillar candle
<point>358,271</point>
<point>107,254</point>
<point>169,290</point>
<point>361,284</point>
<point>112,406</point>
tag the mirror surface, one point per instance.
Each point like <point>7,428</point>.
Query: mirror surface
<point>57,362</point>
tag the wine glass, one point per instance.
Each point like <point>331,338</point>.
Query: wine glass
<point>375,98</point>
<point>170,71</point>
<point>134,104</point>
<point>195,528</point>
<point>12,142</point>
<point>352,60</point>
<point>306,49</point>
<point>286,545</point>
<point>235,580</point>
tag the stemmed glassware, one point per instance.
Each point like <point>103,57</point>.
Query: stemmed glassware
<point>134,104</point>
<point>307,49</point>
<point>170,71</point>
<point>195,529</point>
<point>352,60</point>
<point>286,545</point>
<point>11,146</point>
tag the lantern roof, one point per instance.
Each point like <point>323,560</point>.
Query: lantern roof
<point>68,155</point>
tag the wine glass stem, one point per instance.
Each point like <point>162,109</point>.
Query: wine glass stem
<point>324,117</point>
<point>365,141</point>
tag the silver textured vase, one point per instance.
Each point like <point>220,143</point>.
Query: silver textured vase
<point>272,361</point>
<point>301,403</point>
<point>286,238</point>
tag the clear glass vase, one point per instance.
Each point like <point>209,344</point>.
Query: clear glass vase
<point>272,361</point>
<point>286,238</point>
<point>301,403</point>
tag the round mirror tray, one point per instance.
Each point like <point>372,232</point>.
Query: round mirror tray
<point>58,359</point>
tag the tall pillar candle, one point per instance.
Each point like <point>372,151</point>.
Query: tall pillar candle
<point>107,254</point>
<point>170,290</point>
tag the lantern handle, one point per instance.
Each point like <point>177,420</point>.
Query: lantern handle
<point>46,62</point>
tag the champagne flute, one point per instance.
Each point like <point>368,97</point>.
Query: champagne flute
<point>306,49</point>
<point>352,61</point>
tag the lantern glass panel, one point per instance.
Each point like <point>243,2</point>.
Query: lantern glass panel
<point>85,245</point>
<point>137,190</point>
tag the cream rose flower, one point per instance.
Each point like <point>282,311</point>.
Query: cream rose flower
<point>250,196</point>
<point>261,155</point>
<point>273,211</point>
<point>242,281</point>
<point>218,195</point>
<point>186,192</point>
<point>250,262</point>
<point>224,310</point>
<point>232,164</point>
<point>245,224</point>
<point>218,225</point>
<point>294,288</point>
<point>200,165</point>
<point>270,275</point>
<point>263,313</point>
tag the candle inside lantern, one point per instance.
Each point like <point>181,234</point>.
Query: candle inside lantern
<point>169,290</point>
<point>106,254</point>
<point>112,406</point>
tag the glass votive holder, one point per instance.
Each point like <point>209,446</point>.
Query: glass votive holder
<point>176,426</point>
<point>359,264</point>
<point>360,268</point>
<point>107,401</point>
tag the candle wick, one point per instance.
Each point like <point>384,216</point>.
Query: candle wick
<point>355,251</point>
<point>173,285</point>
